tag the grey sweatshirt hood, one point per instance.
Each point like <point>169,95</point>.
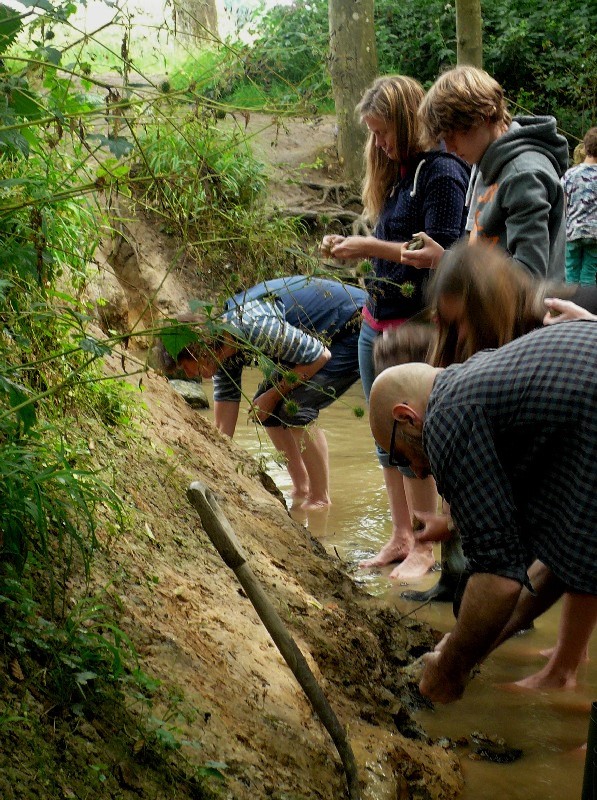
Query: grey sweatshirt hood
<point>537,134</point>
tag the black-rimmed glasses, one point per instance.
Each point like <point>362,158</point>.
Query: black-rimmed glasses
<point>396,459</point>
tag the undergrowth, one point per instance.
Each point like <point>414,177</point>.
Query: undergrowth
<point>67,143</point>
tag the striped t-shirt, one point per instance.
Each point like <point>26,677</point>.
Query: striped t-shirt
<point>260,328</point>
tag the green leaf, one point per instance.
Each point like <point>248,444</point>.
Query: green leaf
<point>91,345</point>
<point>43,4</point>
<point>212,769</point>
<point>118,145</point>
<point>176,338</point>
<point>4,285</point>
<point>10,25</point>
<point>13,140</point>
<point>16,396</point>
<point>25,104</point>
<point>52,55</point>
<point>201,305</point>
<point>84,677</point>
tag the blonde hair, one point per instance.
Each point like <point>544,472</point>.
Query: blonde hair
<point>395,99</point>
<point>461,99</point>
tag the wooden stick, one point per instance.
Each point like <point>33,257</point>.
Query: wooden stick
<point>224,540</point>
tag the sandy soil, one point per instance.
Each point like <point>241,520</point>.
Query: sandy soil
<point>193,623</point>
<point>196,629</point>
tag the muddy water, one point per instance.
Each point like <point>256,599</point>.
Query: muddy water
<point>549,727</point>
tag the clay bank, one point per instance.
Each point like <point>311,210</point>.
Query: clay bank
<point>196,629</point>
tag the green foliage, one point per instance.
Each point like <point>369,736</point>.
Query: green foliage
<point>207,186</point>
<point>289,54</point>
<point>76,653</point>
<point>46,505</point>
<point>50,490</point>
<point>416,38</point>
<point>194,167</point>
<point>543,53</point>
<point>283,67</point>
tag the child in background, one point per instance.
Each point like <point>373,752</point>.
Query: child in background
<point>580,188</point>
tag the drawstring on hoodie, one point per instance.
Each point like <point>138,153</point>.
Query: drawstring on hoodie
<point>415,179</point>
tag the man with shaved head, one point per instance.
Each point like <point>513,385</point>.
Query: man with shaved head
<point>510,437</point>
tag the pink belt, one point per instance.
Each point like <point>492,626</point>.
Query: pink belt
<point>380,325</point>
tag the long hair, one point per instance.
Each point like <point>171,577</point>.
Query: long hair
<point>394,99</point>
<point>500,301</point>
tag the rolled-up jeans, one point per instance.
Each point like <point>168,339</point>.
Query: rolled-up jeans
<point>303,404</point>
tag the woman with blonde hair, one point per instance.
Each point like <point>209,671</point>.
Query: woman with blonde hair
<point>407,188</point>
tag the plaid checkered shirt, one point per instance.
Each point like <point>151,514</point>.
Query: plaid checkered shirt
<point>511,437</point>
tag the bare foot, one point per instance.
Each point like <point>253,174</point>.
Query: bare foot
<point>316,505</point>
<point>418,563</point>
<point>441,644</point>
<point>390,552</point>
<point>545,679</point>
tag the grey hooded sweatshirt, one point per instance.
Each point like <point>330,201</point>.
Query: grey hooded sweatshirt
<point>518,200</point>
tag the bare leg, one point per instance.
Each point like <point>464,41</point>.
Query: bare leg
<point>401,541</point>
<point>421,495</point>
<point>579,616</point>
<point>549,651</point>
<point>313,447</point>
<point>284,441</point>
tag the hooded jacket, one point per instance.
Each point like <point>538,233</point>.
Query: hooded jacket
<point>518,200</point>
<point>429,197</point>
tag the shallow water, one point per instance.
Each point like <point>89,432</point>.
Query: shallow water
<point>549,727</point>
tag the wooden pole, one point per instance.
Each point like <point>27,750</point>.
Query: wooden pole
<point>224,540</point>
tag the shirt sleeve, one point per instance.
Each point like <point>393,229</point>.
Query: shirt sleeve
<point>526,199</point>
<point>471,479</point>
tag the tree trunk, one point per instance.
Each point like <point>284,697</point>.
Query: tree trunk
<point>469,35</point>
<point>353,66</point>
<point>196,18</point>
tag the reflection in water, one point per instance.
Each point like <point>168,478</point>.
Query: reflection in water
<point>549,727</point>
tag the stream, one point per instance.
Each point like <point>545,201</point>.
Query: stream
<point>550,727</point>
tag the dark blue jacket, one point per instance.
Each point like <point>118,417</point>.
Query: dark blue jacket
<point>429,198</point>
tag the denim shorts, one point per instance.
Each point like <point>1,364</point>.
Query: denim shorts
<point>320,391</point>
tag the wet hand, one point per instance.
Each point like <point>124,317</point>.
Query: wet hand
<point>436,684</point>
<point>435,527</point>
<point>427,257</point>
<point>329,241</point>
